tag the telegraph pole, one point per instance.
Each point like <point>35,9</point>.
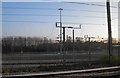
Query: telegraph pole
<point>109,29</point>
<point>62,43</point>
<point>73,36</point>
<point>63,35</point>
<point>73,40</point>
<point>60,9</point>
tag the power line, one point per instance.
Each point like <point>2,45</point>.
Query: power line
<point>46,9</point>
<point>36,15</point>
<point>86,3</point>
<point>25,21</point>
<point>82,23</point>
<point>29,8</point>
<point>88,11</point>
<point>91,4</point>
<point>52,15</point>
<point>54,9</point>
<point>84,10</point>
<point>50,22</point>
<point>94,16</point>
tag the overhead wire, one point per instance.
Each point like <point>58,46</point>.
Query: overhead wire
<point>23,21</point>
<point>82,23</point>
<point>58,15</point>
<point>63,2</point>
<point>50,22</point>
<point>84,10</point>
<point>53,9</point>
<point>52,15</point>
<point>37,15</point>
<point>91,4</point>
<point>56,9</point>
<point>29,8</point>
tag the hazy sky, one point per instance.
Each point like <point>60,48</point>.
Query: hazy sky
<point>57,0</point>
<point>38,19</point>
<point>1,20</point>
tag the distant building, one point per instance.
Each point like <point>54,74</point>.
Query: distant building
<point>79,39</point>
<point>69,39</point>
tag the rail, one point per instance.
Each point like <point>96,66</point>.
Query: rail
<point>104,69</point>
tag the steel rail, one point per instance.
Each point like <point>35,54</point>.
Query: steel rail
<point>63,72</point>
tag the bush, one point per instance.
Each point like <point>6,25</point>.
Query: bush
<point>114,60</point>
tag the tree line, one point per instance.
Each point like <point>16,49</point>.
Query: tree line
<point>34,44</point>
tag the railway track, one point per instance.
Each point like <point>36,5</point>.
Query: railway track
<point>96,72</point>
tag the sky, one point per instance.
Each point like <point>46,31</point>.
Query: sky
<point>119,20</point>
<point>37,19</point>
<point>57,0</point>
<point>0,21</point>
